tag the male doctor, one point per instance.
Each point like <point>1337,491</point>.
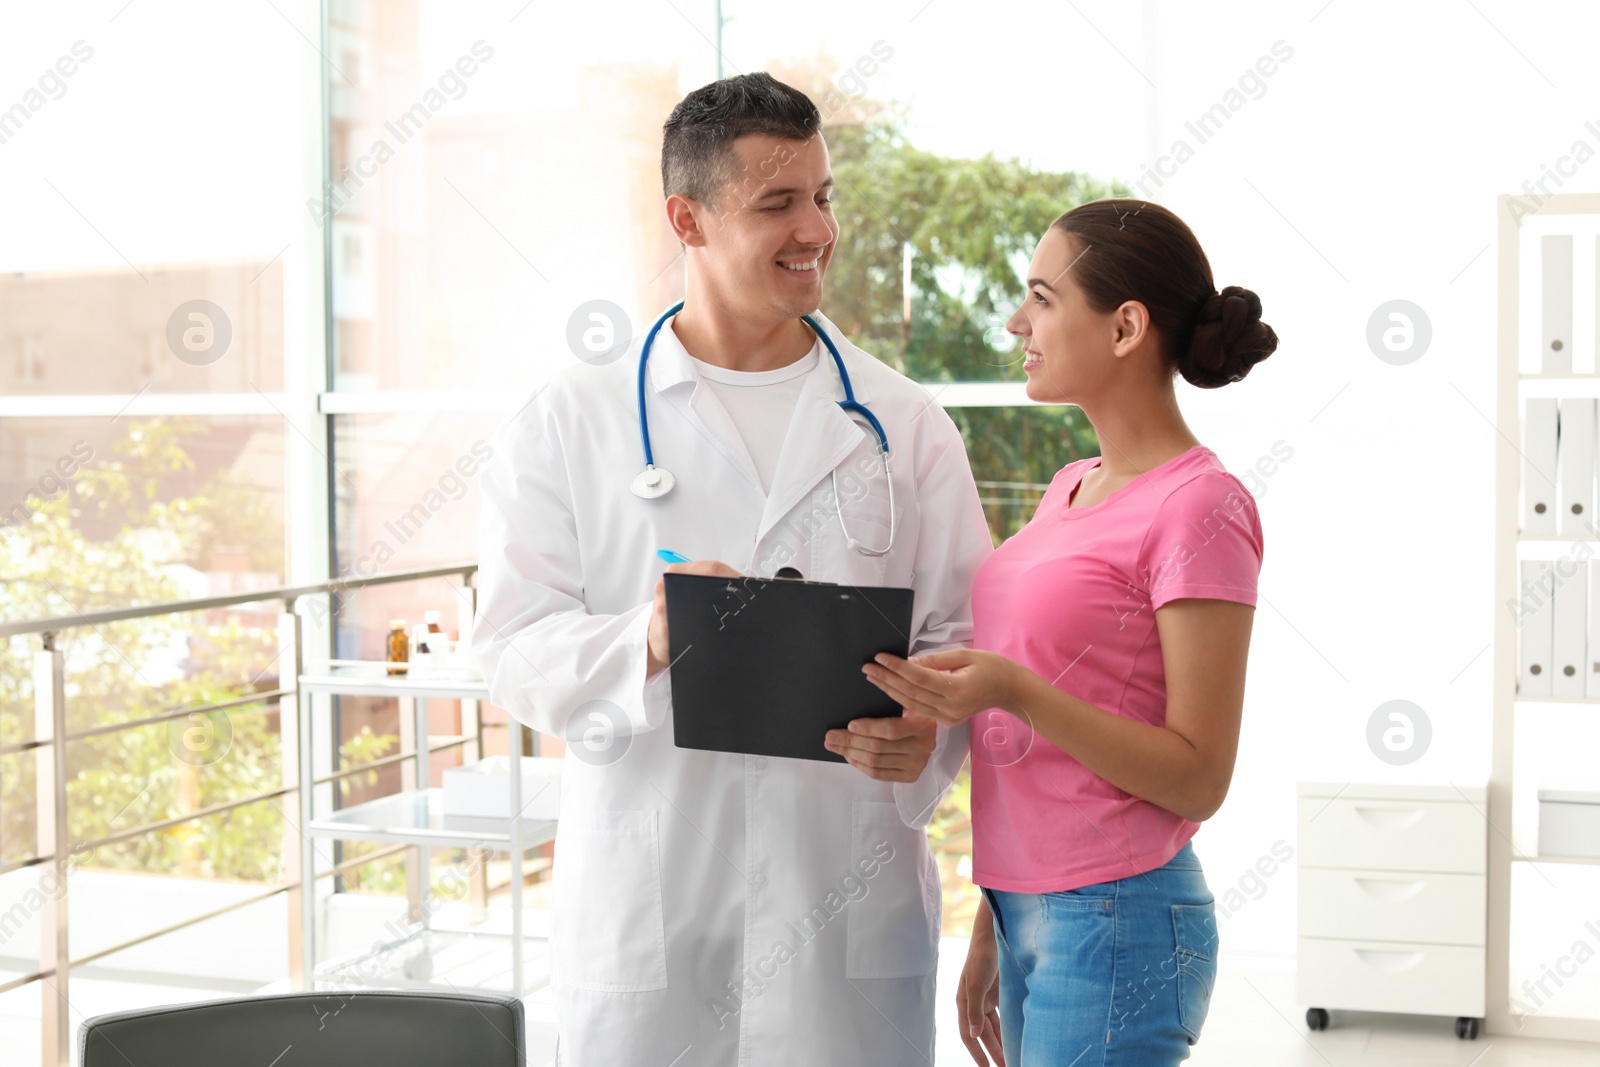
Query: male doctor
<point>714,909</point>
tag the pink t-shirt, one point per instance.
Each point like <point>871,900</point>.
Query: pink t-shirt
<point>1073,596</point>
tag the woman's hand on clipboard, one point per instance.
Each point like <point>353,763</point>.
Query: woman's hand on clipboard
<point>659,654</point>
<point>951,686</point>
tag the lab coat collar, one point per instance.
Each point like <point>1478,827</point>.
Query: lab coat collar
<point>820,435</point>
<point>670,363</point>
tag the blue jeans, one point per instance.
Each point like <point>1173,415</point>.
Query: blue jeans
<point>1111,975</point>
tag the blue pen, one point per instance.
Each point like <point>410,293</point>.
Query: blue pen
<point>673,557</point>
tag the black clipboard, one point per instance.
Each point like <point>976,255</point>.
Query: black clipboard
<point>766,666</point>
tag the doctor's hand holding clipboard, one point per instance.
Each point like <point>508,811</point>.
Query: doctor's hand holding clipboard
<point>889,749</point>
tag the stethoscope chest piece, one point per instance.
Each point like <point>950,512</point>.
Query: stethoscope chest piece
<point>653,482</point>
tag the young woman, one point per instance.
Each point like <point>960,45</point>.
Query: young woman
<point>1106,680</point>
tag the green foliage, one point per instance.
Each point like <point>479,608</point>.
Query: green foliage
<point>113,541</point>
<point>972,225</point>
<point>384,877</point>
<point>364,747</point>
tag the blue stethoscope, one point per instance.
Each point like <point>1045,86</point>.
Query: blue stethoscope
<point>654,481</point>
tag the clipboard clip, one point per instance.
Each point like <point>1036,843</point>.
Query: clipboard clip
<point>792,574</point>
<point>787,574</point>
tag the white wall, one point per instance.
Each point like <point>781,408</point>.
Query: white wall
<point>1368,172</point>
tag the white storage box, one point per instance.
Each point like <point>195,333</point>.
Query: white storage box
<point>483,789</point>
<point>1569,820</point>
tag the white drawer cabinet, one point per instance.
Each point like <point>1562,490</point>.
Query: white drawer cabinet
<point>1377,975</point>
<point>1439,909</point>
<point>1393,900</point>
<point>1392,835</point>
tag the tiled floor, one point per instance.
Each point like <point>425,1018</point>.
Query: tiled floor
<point>1254,1019</point>
<point>1254,1022</point>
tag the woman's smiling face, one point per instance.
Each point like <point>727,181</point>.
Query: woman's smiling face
<point>1070,347</point>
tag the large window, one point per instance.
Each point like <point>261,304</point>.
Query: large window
<point>487,179</point>
<point>158,305</point>
<point>269,277</point>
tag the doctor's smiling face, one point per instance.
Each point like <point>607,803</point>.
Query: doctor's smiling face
<point>749,193</point>
<point>762,246</point>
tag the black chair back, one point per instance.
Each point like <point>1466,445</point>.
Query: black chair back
<point>367,1028</point>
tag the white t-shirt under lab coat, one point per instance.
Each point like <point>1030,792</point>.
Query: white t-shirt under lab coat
<point>761,405</point>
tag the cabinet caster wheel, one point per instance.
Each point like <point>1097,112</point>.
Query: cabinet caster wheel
<point>1317,1019</point>
<point>1466,1028</point>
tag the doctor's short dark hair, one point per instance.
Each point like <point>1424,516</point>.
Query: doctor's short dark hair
<point>1135,250</point>
<point>697,140</point>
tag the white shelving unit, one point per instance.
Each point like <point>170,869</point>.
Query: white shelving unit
<point>415,816</point>
<point>1514,388</point>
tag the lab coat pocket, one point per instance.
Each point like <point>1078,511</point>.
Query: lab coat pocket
<point>609,935</point>
<point>835,561</point>
<point>863,504</point>
<point>893,929</point>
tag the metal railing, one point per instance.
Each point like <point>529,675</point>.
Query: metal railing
<point>53,844</point>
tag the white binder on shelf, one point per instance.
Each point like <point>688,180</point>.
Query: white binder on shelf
<point>1592,663</point>
<point>1535,628</point>
<point>1575,445</point>
<point>1539,466</point>
<point>1569,634</point>
<point>1555,317</point>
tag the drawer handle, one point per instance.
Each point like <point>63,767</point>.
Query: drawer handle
<point>1390,890</point>
<point>1393,962</point>
<point>1390,818</point>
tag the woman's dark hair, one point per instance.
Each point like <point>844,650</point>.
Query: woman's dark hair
<point>696,142</point>
<point>1136,250</point>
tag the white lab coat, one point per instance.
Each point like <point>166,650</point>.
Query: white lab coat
<point>720,908</point>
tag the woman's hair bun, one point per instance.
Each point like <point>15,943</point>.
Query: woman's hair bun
<point>1227,340</point>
